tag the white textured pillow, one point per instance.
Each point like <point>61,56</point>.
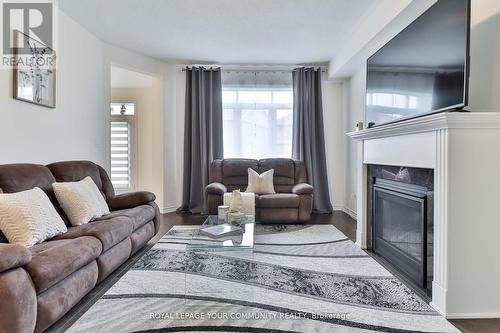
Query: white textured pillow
<point>260,184</point>
<point>81,201</point>
<point>28,217</point>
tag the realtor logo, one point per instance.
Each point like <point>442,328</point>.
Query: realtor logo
<point>33,19</point>
<point>26,26</point>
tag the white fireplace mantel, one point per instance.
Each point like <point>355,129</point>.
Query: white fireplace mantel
<point>464,151</point>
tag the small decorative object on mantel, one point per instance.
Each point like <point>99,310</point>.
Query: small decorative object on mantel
<point>35,73</point>
<point>359,126</point>
<point>222,214</point>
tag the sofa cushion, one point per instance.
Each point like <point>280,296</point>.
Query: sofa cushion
<point>56,301</point>
<point>55,260</point>
<point>130,200</point>
<point>216,188</point>
<point>18,308</point>
<point>113,258</point>
<point>235,172</point>
<point>73,171</point>
<point>141,236</point>
<point>284,173</point>
<point>13,256</point>
<point>138,216</point>
<point>110,232</point>
<point>22,177</point>
<point>278,200</point>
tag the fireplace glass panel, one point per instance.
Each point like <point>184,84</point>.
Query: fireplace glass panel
<point>399,222</point>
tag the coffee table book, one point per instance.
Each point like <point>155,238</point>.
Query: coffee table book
<point>221,230</point>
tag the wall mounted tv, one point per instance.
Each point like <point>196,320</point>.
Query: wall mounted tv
<point>424,69</point>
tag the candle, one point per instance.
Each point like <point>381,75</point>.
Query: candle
<point>222,214</point>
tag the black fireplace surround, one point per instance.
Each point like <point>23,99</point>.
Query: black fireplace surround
<point>400,202</point>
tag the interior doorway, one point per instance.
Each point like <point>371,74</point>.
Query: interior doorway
<point>136,131</point>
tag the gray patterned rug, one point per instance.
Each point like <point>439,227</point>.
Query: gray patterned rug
<point>297,279</point>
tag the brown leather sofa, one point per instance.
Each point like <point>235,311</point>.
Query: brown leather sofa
<point>38,285</point>
<point>292,202</point>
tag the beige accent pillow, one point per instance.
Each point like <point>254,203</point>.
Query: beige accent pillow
<point>81,201</point>
<point>28,217</point>
<point>260,184</point>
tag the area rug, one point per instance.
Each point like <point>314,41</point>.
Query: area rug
<point>297,279</point>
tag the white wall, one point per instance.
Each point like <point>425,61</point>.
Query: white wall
<point>334,103</point>
<point>77,127</point>
<point>484,84</point>
<point>180,91</point>
<point>356,87</point>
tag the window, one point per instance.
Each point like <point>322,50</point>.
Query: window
<point>122,116</point>
<point>257,122</point>
<point>258,114</point>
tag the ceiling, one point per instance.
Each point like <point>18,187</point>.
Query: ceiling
<point>224,31</point>
<point>124,78</point>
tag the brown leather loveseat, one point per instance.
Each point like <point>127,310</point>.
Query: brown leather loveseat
<point>292,202</point>
<point>38,285</point>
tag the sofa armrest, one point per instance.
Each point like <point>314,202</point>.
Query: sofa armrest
<point>13,256</point>
<point>302,188</point>
<point>130,200</point>
<point>216,188</point>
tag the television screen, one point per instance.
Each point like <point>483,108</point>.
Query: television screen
<point>423,69</point>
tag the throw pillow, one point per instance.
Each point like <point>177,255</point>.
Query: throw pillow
<point>260,184</point>
<point>81,201</point>
<point>236,204</point>
<point>28,217</point>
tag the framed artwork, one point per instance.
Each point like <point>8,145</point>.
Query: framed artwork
<point>35,73</point>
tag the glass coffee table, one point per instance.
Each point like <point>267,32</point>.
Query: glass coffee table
<point>222,251</point>
<point>200,242</point>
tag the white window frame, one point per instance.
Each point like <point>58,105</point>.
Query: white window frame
<point>238,107</point>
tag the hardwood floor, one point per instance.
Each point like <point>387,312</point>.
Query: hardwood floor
<point>339,219</point>
<point>477,325</point>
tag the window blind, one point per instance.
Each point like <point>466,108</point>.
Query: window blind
<point>120,155</point>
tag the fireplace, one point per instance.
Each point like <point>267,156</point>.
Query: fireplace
<point>401,221</point>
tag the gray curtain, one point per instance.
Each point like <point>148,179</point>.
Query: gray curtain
<point>308,142</point>
<point>202,134</point>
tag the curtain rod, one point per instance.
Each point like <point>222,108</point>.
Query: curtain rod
<point>277,69</point>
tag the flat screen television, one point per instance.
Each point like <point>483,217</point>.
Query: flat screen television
<point>422,70</point>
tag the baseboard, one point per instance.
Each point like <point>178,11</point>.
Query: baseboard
<point>166,210</point>
<point>350,212</point>
<point>439,300</point>
<point>346,210</point>
<point>472,315</point>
